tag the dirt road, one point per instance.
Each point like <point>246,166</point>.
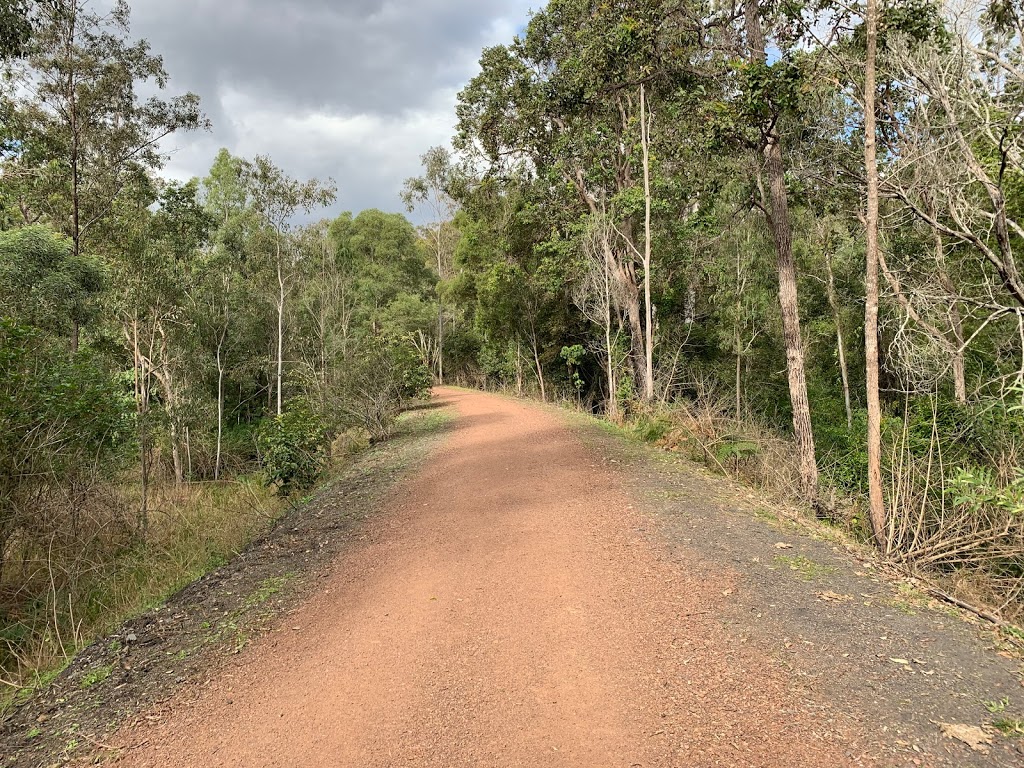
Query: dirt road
<point>507,609</point>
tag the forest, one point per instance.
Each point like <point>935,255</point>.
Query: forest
<point>776,236</point>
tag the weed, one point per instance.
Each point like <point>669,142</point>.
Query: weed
<point>996,707</point>
<point>96,676</point>
<point>1015,633</point>
<point>34,733</point>
<point>267,589</point>
<point>807,568</point>
<point>1012,727</point>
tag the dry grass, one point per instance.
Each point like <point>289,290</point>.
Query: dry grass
<point>706,431</point>
<point>975,550</point>
<point>66,584</point>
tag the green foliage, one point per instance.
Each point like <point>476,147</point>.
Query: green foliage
<point>378,381</point>
<point>573,357</point>
<point>651,429</point>
<point>292,448</point>
<point>54,411</point>
<point>979,490</point>
<point>43,283</point>
<point>733,448</point>
<point>96,676</point>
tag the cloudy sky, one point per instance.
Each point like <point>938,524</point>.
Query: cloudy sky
<point>352,89</point>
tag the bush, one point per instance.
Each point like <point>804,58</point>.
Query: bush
<point>61,419</point>
<point>379,380</point>
<point>292,448</point>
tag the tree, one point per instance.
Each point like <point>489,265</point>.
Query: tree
<point>769,89</point>
<point>76,103</point>
<point>566,99</point>
<point>44,284</point>
<point>15,27</point>
<point>875,492</point>
<point>276,199</point>
<point>433,191</point>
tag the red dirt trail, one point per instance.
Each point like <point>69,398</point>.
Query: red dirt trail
<point>507,608</point>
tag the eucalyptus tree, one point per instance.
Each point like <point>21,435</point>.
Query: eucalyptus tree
<point>764,96</point>
<point>222,271</point>
<point>573,98</point>
<point>82,132</point>
<point>42,282</point>
<point>276,199</point>
<point>16,25</point>
<point>434,192</point>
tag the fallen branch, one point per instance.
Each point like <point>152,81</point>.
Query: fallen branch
<point>979,612</point>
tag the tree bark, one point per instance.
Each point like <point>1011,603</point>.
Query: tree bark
<point>280,328</point>
<point>833,302</point>
<point>956,324</point>
<point>220,410</point>
<point>440,304</point>
<point>645,140</point>
<point>613,400</point>
<point>876,497</point>
<point>777,208</point>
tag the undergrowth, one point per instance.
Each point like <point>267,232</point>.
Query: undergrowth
<point>56,599</point>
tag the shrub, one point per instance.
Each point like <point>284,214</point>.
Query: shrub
<point>292,448</point>
<point>379,380</point>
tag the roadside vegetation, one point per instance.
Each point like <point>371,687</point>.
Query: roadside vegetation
<point>179,362</point>
<point>778,238</point>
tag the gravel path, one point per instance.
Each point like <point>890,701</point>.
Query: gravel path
<point>507,609</point>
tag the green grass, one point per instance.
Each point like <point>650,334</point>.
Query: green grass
<point>1011,727</point>
<point>995,707</point>
<point>267,589</point>
<point>96,676</point>
<point>807,568</point>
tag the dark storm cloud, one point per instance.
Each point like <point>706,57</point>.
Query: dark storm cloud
<point>355,89</point>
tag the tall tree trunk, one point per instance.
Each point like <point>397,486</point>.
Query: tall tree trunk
<point>777,207</point>
<point>956,324</point>
<point>76,142</point>
<point>440,304</point>
<point>737,333</point>
<point>536,362</point>
<point>220,409</point>
<point>166,380</point>
<point>959,361</point>
<point>630,297</point>
<point>519,368</point>
<point>875,491</point>
<point>833,302</point>
<point>280,328</point>
<point>613,399</point>
<point>141,414</point>
<point>440,343</point>
<point>645,140</point>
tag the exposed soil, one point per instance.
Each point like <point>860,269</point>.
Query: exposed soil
<point>535,595</point>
